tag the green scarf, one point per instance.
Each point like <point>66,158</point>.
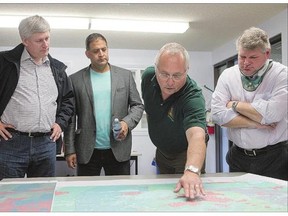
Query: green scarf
<point>251,83</point>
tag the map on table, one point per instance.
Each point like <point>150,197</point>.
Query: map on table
<point>248,193</point>
<point>220,196</point>
<point>26,197</point>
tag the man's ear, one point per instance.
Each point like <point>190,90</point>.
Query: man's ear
<point>268,53</point>
<point>87,53</point>
<point>24,42</point>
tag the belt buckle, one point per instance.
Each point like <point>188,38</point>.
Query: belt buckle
<point>30,134</point>
<point>249,154</point>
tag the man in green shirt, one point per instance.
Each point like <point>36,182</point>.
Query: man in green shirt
<point>175,109</point>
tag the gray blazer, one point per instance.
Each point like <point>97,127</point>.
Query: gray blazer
<point>80,136</point>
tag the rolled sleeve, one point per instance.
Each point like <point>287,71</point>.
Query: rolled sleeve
<point>272,104</point>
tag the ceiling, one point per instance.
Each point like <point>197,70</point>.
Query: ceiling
<point>211,24</point>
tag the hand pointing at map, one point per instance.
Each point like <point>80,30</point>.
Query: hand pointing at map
<point>191,184</point>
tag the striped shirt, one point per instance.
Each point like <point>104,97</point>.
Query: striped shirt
<point>32,107</point>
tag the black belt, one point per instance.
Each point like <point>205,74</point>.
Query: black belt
<point>30,134</point>
<point>255,152</point>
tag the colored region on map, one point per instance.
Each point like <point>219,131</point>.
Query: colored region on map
<point>252,196</point>
<point>29,197</point>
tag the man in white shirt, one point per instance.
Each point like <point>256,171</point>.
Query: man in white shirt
<point>250,99</point>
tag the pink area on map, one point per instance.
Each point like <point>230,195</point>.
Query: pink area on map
<point>8,204</point>
<point>185,203</point>
<point>57,193</point>
<point>210,197</point>
<point>19,204</point>
<point>216,197</point>
<point>132,193</point>
<point>6,193</point>
<point>277,187</point>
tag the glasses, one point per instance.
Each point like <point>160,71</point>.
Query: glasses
<point>175,77</point>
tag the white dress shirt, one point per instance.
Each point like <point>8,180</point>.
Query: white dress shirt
<point>269,99</point>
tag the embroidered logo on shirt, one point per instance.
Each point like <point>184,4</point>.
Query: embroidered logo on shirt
<point>170,114</point>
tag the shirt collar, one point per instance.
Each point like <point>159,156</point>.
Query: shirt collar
<point>251,83</point>
<point>26,56</point>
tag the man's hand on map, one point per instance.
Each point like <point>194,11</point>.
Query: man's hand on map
<point>191,184</point>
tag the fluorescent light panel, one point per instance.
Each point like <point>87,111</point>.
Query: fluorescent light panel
<point>139,26</point>
<point>10,21</point>
<point>102,24</point>
<point>68,22</point>
<point>55,22</point>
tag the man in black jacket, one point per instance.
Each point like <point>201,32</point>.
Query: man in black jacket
<point>36,103</point>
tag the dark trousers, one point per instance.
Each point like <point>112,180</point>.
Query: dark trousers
<point>272,163</point>
<point>103,159</point>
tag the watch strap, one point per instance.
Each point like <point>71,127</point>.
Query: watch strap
<point>234,105</point>
<point>193,169</point>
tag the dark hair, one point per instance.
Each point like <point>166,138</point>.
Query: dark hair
<point>92,37</point>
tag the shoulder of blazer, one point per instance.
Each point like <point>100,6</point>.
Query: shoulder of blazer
<point>79,73</point>
<point>114,68</point>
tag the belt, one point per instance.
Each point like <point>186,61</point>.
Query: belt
<point>29,134</point>
<point>255,152</point>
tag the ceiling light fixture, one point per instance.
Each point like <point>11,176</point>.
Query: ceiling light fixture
<point>68,22</point>
<point>102,24</point>
<point>10,21</point>
<point>54,22</point>
<point>139,26</point>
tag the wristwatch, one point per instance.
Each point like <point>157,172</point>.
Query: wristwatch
<point>193,169</point>
<point>234,105</point>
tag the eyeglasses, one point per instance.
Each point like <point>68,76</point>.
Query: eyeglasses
<point>166,77</point>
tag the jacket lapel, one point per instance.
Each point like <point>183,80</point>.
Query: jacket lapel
<point>114,78</point>
<point>88,86</point>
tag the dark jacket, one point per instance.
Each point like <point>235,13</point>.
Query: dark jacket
<point>9,76</point>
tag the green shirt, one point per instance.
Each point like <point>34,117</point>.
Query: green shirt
<point>168,120</point>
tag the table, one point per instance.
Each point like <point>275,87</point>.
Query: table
<point>225,192</point>
<point>134,157</point>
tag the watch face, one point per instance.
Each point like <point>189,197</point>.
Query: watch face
<point>192,169</point>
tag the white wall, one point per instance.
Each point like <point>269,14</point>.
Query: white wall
<point>274,26</point>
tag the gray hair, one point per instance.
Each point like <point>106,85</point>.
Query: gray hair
<point>31,25</point>
<point>253,38</point>
<point>173,49</point>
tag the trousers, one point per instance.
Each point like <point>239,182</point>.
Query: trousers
<point>103,159</point>
<point>31,156</point>
<point>271,163</point>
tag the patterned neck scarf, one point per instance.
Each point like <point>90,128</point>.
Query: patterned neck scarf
<point>251,83</point>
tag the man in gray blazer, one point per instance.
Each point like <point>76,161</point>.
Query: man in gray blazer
<point>103,92</point>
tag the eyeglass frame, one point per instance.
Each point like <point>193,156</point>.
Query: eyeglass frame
<point>165,76</point>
